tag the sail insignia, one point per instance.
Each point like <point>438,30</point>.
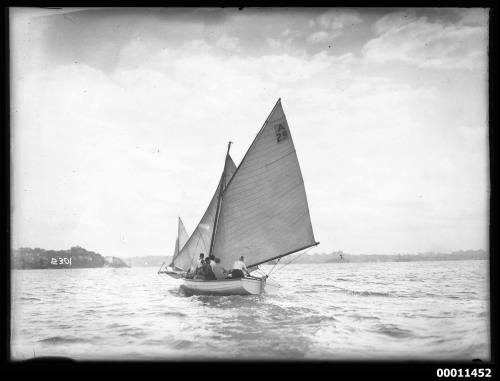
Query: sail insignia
<point>281,132</point>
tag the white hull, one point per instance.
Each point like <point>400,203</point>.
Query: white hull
<point>239,286</point>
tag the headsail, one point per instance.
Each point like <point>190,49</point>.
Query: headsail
<point>199,242</point>
<point>182,238</point>
<point>264,212</point>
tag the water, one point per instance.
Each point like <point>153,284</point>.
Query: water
<point>346,311</point>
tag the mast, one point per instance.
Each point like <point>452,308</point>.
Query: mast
<point>221,190</point>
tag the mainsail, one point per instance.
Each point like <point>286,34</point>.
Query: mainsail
<point>264,212</point>
<point>182,238</point>
<point>199,242</point>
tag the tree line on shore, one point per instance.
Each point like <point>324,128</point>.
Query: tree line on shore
<point>75,257</point>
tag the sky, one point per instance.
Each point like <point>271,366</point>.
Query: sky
<point>120,120</point>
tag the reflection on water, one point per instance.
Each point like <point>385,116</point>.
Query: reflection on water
<point>413,310</point>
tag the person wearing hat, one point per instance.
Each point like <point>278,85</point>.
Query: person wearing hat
<point>219,271</point>
<point>199,264</point>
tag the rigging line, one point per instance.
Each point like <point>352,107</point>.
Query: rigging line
<point>260,271</point>
<point>283,255</point>
<point>301,254</point>
<point>278,261</point>
<point>161,267</point>
<point>294,259</point>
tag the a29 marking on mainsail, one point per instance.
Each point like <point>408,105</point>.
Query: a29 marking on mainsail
<point>281,132</point>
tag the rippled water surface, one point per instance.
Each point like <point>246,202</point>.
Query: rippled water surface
<point>337,311</point>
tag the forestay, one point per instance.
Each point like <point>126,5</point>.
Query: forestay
<point>264,212</point>
<point>199,242</point>
<point>182,238</point>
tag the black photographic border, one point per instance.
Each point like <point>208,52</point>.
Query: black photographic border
<point>421,370</point>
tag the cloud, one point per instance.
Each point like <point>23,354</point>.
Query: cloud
<point>197,45</point>
<point>191,61</point>
<point>229,43</point>
<point>334,20</point>
<point>332,24</point>
<point>416,40</point>
<point>323,36</point>
<point>284,45</point>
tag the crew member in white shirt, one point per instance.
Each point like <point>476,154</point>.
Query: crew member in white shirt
<point>239,268</point>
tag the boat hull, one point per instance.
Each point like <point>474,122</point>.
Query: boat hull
<point>239,286</point>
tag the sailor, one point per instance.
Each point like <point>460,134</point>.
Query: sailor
<point>199,264</point>
<point>207,270</point>
<point>239,268</point>
<point>212,261</point>
<point>219,271</point>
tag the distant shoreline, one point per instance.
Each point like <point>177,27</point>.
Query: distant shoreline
<point>340,257</point>
<point>27,258</point>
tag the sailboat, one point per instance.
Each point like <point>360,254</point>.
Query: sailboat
<point>259,210</point>
<point>182,238</point>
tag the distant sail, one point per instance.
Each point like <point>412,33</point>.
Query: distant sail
<point>264,212</point>
<point>182,238</point>
<point>199,242</point>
